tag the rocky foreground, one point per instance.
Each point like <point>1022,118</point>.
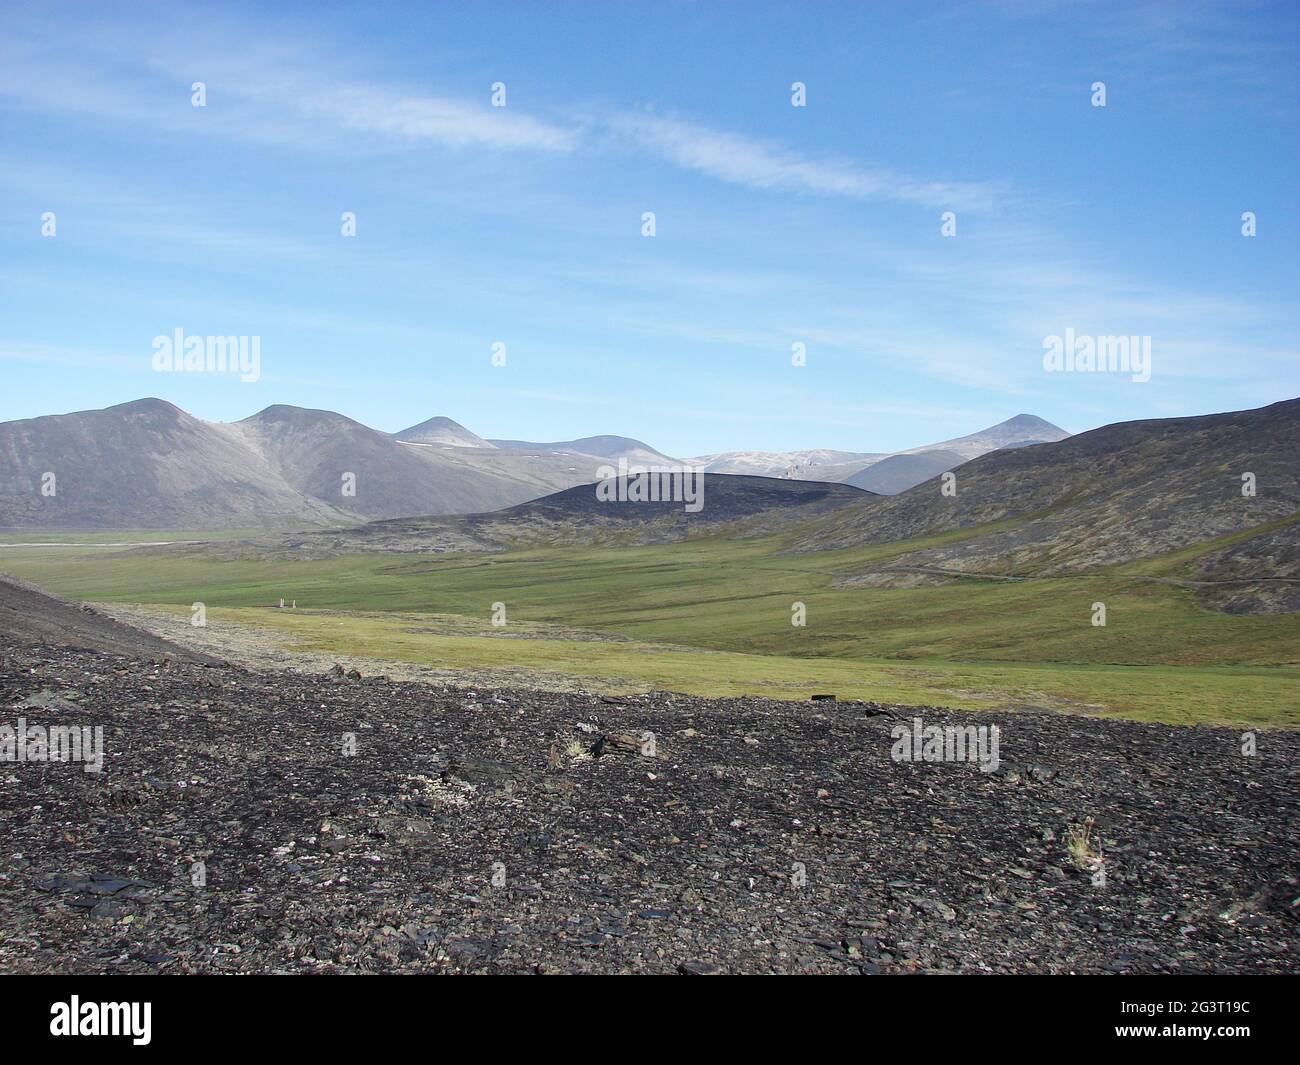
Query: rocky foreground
<point>233,829</point>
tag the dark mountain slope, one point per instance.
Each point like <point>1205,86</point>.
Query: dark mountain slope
<point>745,505</point>
<point>1127,491</point>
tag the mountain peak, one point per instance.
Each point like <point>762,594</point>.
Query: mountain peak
<point>1029,421</point>
<point>1019,431</point>
<point>287,412</point>
<point>147,405</point>
<point>611,448</point>
<point>442,431</point>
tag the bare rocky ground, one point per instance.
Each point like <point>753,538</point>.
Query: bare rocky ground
<point>606,859</point>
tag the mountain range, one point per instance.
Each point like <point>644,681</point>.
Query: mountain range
<point>852,467</point>
<point>1219,493</point>
<point>148,464</point>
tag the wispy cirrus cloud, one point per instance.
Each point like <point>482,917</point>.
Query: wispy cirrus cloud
<point>308,98</point>
<point>765,164</point>
<point>455,123</point>
<point>292,108</point>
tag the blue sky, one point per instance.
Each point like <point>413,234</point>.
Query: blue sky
<point>775,225</point>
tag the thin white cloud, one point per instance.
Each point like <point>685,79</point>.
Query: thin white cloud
<point>298,95</point>
<point>762,164</point>
<point>455,123</point>
<point>305,98</point>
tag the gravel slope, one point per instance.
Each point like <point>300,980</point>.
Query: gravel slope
<point>612,860</point>
<point>28,615</point>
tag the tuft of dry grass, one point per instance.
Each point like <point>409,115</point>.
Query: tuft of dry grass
<point>1084,852</point>
<point>561,755</point>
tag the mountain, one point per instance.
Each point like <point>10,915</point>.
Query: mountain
<point>813,464</point>
<point>1114,496</point>
<point>819,464</point>
<point>443,432</point>
<point>150,465</point>
<point>746,506</point>
<point>323,454</point>
<point>611,448</point>
<point>1020,431</point>
<point>897,473</point>
<point>144,464</point>
<point>723,499</point>
<point>1121,493</point>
